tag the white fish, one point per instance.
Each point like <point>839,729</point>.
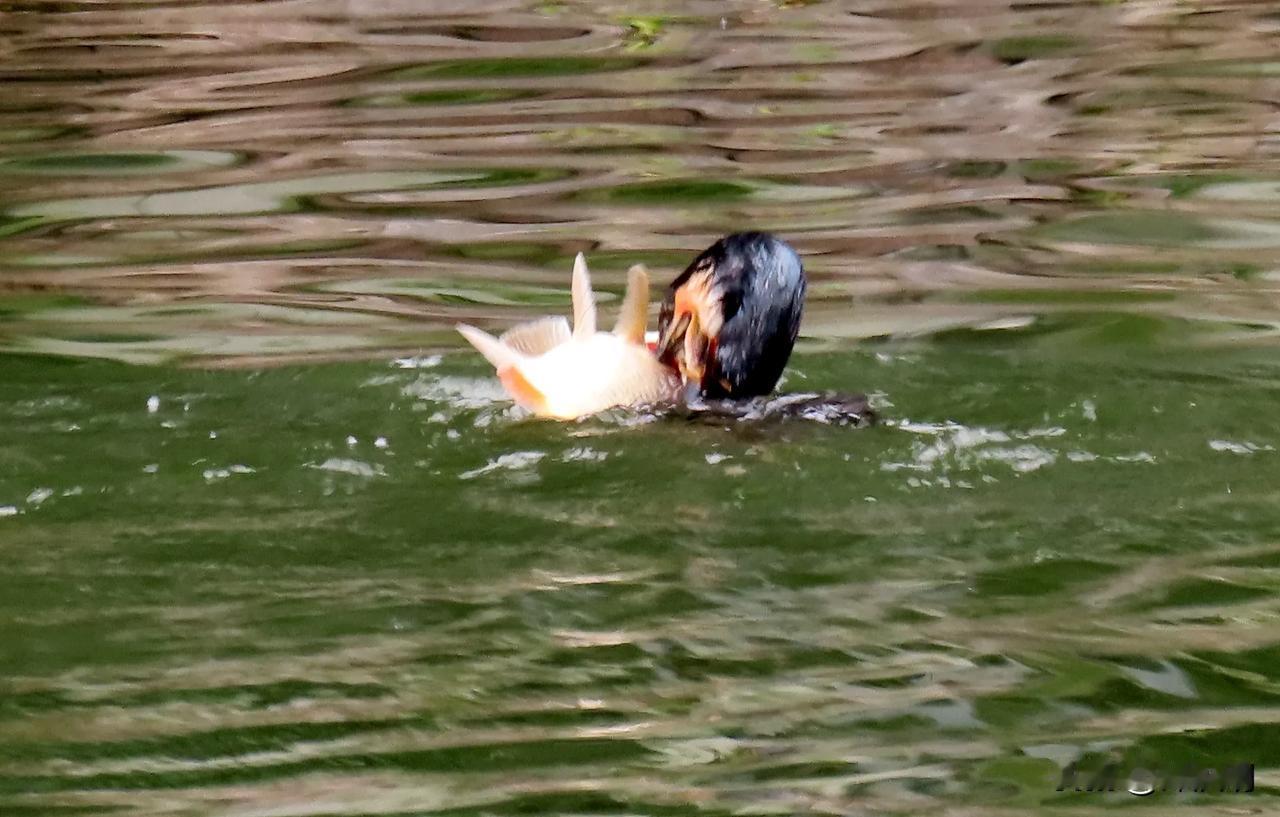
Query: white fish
<point>557,372</point>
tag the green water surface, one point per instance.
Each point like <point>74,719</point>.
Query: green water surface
<point>275,544</point>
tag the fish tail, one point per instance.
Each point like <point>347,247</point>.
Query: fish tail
<point>495,351</point>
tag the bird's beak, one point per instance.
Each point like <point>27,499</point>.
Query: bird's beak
<point>686,348</point>
<point>672,337</point>
<point>687,339</point>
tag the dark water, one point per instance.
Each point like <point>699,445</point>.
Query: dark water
<point>275,545</point>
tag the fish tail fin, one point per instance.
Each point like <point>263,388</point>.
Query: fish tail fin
<point>508,362</point>
<point>635,306</point>
<point>494,350</point>
<point>584,301</point>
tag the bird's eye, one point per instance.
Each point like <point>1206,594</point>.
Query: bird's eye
<point>730,303</point>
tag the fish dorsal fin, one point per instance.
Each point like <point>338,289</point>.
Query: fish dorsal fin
<point>584,302</point>
<point>537,337</point>
<point>493,349</point>
<point>635,306</point>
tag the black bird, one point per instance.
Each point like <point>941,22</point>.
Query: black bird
<point>729,321</point>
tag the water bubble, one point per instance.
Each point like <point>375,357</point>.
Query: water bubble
<point>583,454</point>
<point>515,461</point>
<point>355,468</point>
<point>1141,782</point>
<point>214,474</point>
<point>1243,448</point>
<point>39,495</point>
<point>417,362</point>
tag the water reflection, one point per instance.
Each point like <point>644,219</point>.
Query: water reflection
<point>272,155</point>
<point>356,582</point>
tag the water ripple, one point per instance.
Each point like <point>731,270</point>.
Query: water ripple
<point>324,568</point>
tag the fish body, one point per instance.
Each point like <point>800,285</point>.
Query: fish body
<point>557,371</point>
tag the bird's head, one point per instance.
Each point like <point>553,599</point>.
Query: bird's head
<point>729,321</point>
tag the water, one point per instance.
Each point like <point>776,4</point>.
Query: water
<point>276,545</point>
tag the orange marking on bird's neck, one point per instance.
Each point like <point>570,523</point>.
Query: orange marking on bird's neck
<point>684,300</point>
<point>700,298</point>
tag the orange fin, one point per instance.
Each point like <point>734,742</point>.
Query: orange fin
<point>493,349</point>
<point>521,390</point>
<point>635,306</point>
<point>584,301</point>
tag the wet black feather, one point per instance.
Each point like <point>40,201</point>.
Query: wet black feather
<point>763,285</point>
